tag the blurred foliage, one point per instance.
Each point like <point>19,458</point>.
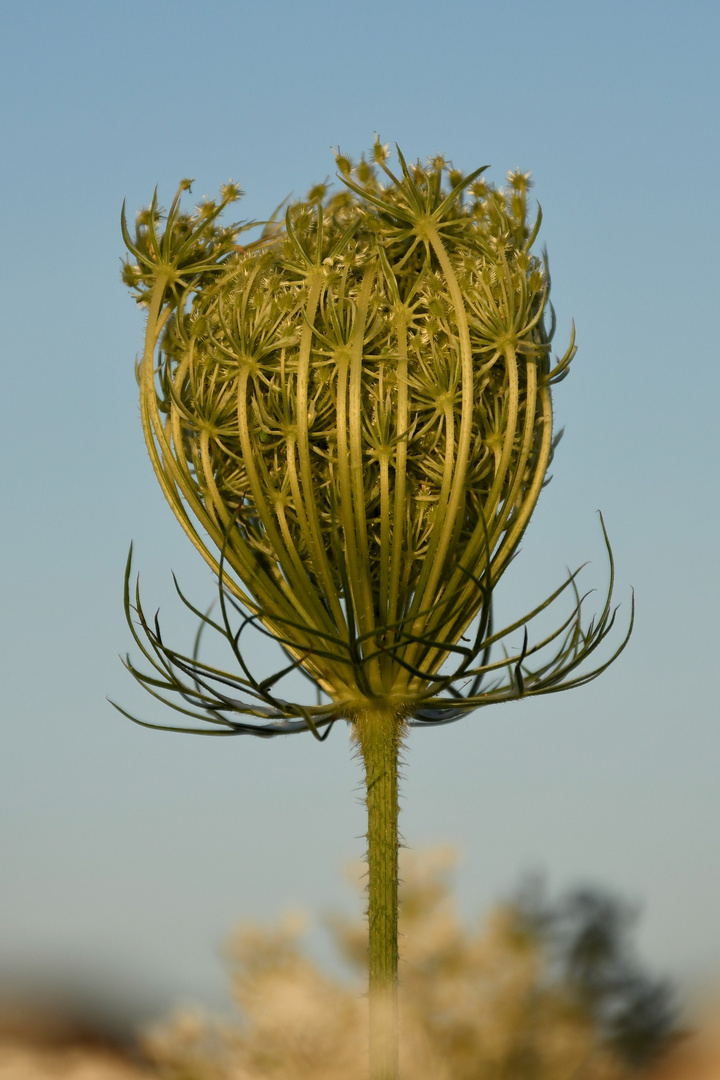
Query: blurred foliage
<point>543,990</point>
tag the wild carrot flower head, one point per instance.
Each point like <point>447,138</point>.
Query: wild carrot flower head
<point>352,419</point>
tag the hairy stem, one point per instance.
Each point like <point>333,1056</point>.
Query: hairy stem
<point>379,735</point>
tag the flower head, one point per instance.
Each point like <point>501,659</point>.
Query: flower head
<point>356,411</point>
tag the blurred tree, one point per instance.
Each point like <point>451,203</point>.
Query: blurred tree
<point>586,936</point>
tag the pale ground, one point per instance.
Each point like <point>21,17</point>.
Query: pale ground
<point>20,1060</point>
<point>44,1045</point>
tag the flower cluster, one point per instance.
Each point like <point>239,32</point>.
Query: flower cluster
<point>356,410</point>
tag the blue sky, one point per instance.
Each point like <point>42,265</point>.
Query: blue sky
<point>128,855</point>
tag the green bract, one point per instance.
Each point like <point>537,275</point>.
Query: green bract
<point>351,418</point>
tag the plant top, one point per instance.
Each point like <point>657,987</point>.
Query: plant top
<point>351,417</point>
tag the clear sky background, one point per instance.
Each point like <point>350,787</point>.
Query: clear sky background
<point>127,855</point>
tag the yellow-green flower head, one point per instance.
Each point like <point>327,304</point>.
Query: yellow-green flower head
<point>355,409</point>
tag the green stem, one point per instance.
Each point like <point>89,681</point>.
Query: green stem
<point>379,735</point>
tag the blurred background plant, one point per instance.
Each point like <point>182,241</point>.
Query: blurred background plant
<point>543,990</point>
